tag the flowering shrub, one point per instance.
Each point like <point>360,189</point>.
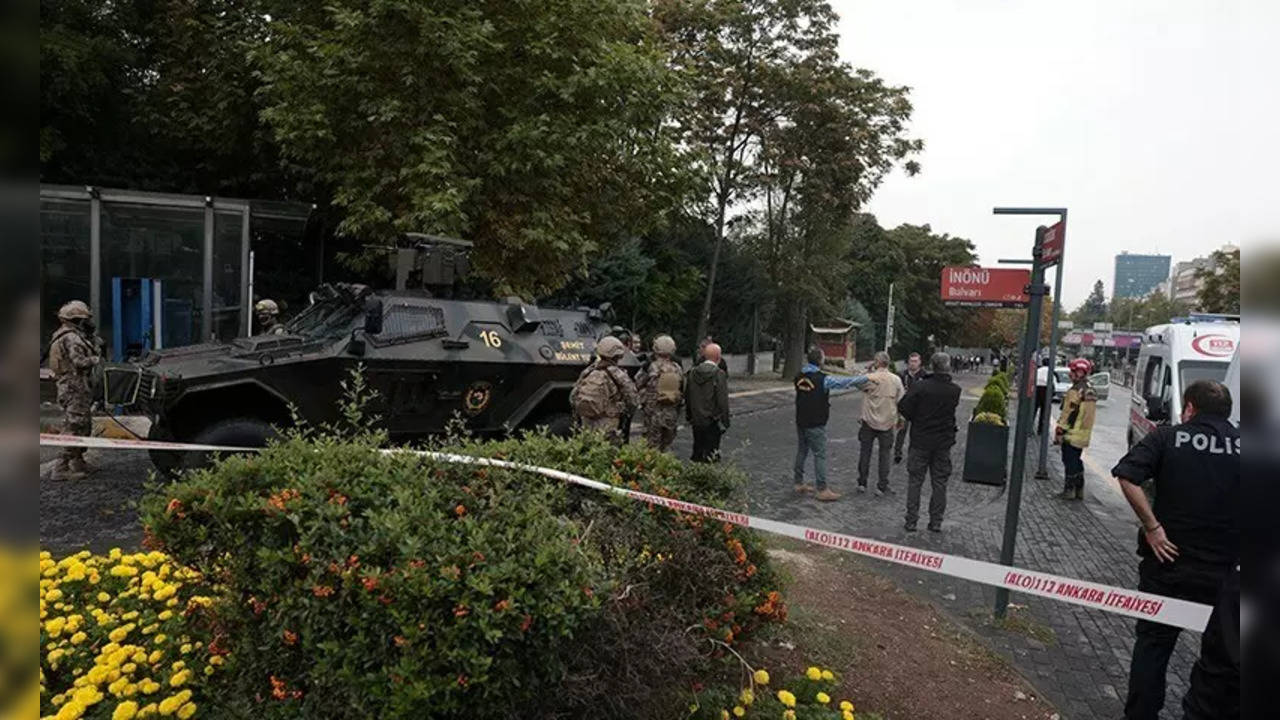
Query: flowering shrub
<point>808,697</point>
<point>359,584</point>
<point>123,636</point>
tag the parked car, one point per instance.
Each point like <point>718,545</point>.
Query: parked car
<point>1101,383</point>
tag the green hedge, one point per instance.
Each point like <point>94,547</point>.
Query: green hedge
<point>355,584</point>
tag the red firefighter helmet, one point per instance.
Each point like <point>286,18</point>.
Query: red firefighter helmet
<point>1083,365</point>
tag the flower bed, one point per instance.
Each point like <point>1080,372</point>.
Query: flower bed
<point>123,636</point>
<point>807,697</point>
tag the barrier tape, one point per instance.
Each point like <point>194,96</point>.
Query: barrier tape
<point>1121,601</point>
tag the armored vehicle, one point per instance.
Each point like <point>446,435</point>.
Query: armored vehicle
<point>498,366</point>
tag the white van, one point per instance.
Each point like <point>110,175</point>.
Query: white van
<point>1173,356</point>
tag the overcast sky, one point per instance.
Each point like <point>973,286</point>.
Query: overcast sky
<point>1157,123</point>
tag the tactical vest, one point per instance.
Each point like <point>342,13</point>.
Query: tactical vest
<point>813,402</point>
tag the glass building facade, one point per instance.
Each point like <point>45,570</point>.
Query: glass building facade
<point>164,270</point>
<point>1137,275</point>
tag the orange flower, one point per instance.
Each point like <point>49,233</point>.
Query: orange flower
<point>322,591</point>
<point>400,641</point>
<point>278,690</point>
<point>460,611</point>
<point>174,507</point>
<point>751,569</point>
<point>502,605</point>
<point>290,637</point>
<point>526,623</point>
<point>353,561</point>
<point>370,583</point>
<point>460,510</point>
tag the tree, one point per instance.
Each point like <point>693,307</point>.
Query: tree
<point>539,131</point>
<point>1138,313</point>
<point>157,96</point>
<point>737,57</point>
<point>1093,309</point>
<point>923,321</point>
<point>1220,283</point>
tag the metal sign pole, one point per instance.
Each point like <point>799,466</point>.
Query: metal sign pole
<point>888,321</point>
<point>1026,389</point>
<point>1042,470</point>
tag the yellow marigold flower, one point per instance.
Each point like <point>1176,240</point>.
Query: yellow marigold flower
<point>739,711</point>
<point>124,571</point>
<point>148,710</point>
<point>186,648</point>
<point>208,669</point>
<point>822,698</point>
<point>786,698</point>
<point>53,595</point>
<point>724,714</point>
<point>847,715</point>
<point>187,711</point>
<point>180,678</point>
<point>78,638</point>
<point>155,656</point>
<point>161,638</point>
<point>164,615</point>
<point>55,625</point>
<point>789,715</point>
<point>761,677</point>
<point>828,675</point>
<point>139,656</point>
<point>178,665</point>
<point>120,633</point>
<point>70,711</point>
<point>216,660</point>
<point>846,706</point>
<point>149,686</point>
<point>747,697</point>
<point>169,704</point>
<point>813,673</point>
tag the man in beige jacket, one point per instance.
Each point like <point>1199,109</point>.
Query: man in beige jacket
<point>879,418</point>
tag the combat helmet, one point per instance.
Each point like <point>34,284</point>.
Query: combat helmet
<point>266,307</point>
<point>74,310</point>
<point>664,345</point>
<point>610,348</point>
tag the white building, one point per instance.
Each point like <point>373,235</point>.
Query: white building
<point>1184,287</point>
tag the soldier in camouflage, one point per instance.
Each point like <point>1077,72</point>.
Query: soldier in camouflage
<point>660,384</point>
<point>72,357</point>
<point>268,316</point>
<point>604,394</point>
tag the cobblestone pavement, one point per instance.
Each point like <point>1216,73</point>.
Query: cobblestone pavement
<point>1078,658</point>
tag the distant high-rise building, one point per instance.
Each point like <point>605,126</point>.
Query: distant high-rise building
<point>1137,275</point>
<point>1184,286</point>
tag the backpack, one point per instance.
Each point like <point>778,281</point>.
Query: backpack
<point>594,395</point>
<point>668,386</point>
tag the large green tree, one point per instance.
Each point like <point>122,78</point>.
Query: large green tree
<point>1220,283</point>
<point>740,58</point>
<point>156,95</point>
<point>538,130</point>
<point>1093,309</point>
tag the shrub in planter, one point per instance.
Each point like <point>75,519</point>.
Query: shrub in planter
<point>993,401</point>
<point>361,584</point>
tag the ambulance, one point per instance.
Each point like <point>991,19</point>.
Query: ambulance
<point>1172,357</point>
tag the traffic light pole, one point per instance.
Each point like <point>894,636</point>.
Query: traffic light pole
<point>1036,290</point>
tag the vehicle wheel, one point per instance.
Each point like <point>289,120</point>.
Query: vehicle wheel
<point>236,432</point>
<point>168,463</point>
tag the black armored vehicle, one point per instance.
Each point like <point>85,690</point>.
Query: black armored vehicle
<point>499,366</point>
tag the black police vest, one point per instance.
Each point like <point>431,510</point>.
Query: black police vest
<point>813,402</point>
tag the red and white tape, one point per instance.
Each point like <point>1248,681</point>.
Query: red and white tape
<point>1121,601</point>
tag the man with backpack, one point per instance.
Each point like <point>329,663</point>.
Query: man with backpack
<point>813,408</point>
<point>604,393</point>
<point>660,384</point>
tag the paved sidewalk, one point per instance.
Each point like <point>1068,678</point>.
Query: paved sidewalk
<point>1082,665</point>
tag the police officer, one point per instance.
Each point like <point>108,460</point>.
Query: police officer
<point>1189,540</point>
<point>1075,427</point>
<point>604,393</point>
<point>268,316</point>
<point>660,384</point>
<point>72,358</point>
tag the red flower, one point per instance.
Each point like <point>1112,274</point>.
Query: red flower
<point>370,583</point>
<point>353,561</point>
<point>322,591</point>
<point>462,680</point>
<point>502,605</point>
<point>460,611</point>
<point>290,637</point>
<point>526,623</point>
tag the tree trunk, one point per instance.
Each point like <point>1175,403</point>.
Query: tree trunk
<point>795,333</point>
<point>705,317</point>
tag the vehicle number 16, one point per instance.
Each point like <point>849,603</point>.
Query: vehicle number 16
<point>491,338</point>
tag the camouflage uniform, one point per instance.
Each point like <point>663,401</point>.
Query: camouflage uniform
<point>660,418</point>
<point>598,404</point>
<point>72,358</point>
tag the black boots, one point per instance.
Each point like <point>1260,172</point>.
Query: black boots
<point>1072,488</point>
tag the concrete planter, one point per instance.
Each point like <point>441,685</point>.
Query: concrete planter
<point>986,454</point>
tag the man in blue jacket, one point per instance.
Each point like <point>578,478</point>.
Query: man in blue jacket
<point>813,408</point>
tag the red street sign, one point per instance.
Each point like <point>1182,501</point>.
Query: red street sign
<point>1051,249</point>
<point>985,287</point>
